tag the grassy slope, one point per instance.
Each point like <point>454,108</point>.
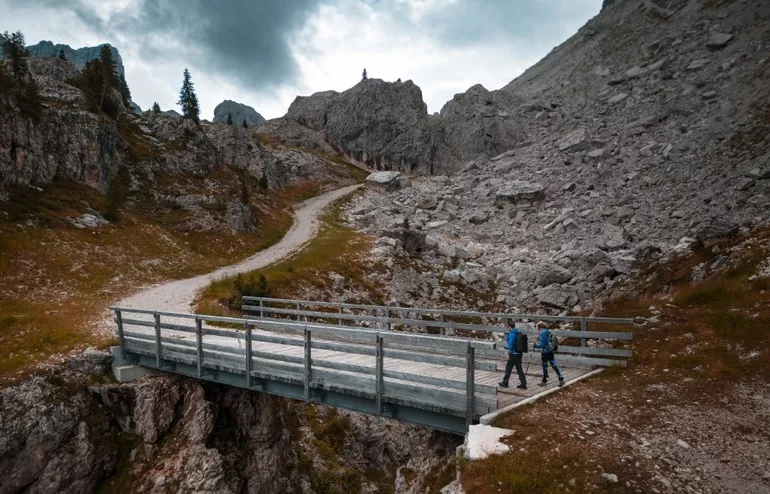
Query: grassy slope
<point>713,335</point>
<point>57,279</point>
<point>337,249</point>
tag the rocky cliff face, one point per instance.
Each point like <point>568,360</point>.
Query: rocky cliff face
<point>69,431</point>
<point>239,113</point>
<point>383,125</point>
<point>79,57</point>
<point>70,142</point>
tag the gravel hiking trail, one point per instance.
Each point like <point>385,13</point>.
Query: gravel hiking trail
<point>178,296</point>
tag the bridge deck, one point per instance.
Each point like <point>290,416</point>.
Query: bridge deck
<point>417,378</point>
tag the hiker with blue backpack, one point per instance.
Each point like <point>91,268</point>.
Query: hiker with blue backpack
<point>517,347</point>
<point>548,344</point>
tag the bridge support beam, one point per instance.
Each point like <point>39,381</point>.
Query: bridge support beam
<point>308,361</point>
<point>470,377</point>
<point>378,373</point>
<point>247,353</point>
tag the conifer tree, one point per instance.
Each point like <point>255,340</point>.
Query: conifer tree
<point>229,119</point>
<point>125,92</point>
<point>155,108</point>
<point>108,68</point>
<point>62,56</point>
<point>16,52</point>
<point>188,100</point>
<point>245,125</point>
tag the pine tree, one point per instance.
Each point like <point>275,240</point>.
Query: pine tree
<point>62,56</point>
<point>245,125</point>
<point>109,73</point>
<point>188,99</point>
<point>363,76</point>
<point>125,92</point>
<point>155,108</point>
<point>229,119</point>
<point>16,52</point>
<point>30,102</point>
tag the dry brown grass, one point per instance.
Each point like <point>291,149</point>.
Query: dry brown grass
<point>57,280</point>
<point>706,331</point>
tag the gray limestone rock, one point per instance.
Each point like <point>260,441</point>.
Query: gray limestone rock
<point>238,111</point>
<point>718,41</point>
<point>558,296</point>
<point>518,191</point>
<point>384,182</point>
<point>574,141</point>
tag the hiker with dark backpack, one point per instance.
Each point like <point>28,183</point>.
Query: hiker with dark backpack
<point>548,345</point>
<point>517,347</point>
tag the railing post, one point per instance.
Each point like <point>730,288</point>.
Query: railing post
<point>308,363</point>
<point>261,308</point>
<point>340,313</point>
<point>157,342</point>
<point>387,317</point>
<point>378,373</point>
<point>583,327</point>
<point>470,375</point>
<point>298,309</point>
<point>121,338</point>
<point>199,344</point>
<point>443,328</point>
<point>247,347</point>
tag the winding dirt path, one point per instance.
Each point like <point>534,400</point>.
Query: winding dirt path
<point>178,296</point>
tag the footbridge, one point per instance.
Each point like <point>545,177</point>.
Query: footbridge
<point>436,368</point>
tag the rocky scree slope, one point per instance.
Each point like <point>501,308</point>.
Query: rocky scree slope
<point>647,135</point>
<point>70,430</point>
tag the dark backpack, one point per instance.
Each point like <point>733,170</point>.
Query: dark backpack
<point>553,343</point>
<point>521,343</point>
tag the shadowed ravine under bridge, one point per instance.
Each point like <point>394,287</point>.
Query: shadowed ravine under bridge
<point>436,368</point>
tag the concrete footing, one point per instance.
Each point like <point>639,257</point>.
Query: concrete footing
<point>125,370</point>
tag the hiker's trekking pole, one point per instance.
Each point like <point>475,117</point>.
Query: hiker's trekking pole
<point>530,358</point>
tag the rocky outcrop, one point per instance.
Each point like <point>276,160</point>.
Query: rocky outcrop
<point>166,433</point>
<point>380,124</point>
<point>480,123</point>
<point>35,152</point>
<point>79,57</point>
<point>238,112</point>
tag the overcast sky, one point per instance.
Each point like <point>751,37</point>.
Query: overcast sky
<point>265,52</point>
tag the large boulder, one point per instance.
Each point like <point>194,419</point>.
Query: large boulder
<point>558,296</point>
<point>384,182</point>
<point>518,191</point>
<point>238,111</point>
<point>574,141</point>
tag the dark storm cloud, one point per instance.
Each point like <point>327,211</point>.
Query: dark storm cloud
<point>247,40</point>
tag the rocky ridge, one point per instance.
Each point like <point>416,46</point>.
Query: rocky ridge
<point>69,142</point>
<point>79,56</point>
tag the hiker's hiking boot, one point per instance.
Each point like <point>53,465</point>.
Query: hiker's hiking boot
<point>502,384</point>
<point>521,386</point>
<point>543,382</point>
<point>561,382</point>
